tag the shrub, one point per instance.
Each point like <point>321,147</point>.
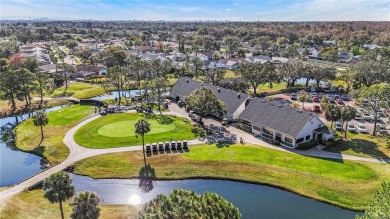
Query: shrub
<point>243,127</point>
<point>307,145</point>
<point>198,132</point>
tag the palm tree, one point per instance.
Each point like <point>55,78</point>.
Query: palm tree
<point>303,98</point>
<point>58,188</point>
<point>347,114</point>
<point>41,119</point>
<point>85,206</point>
<point>141,128</point>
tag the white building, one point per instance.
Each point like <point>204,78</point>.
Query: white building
<point>285,124</point>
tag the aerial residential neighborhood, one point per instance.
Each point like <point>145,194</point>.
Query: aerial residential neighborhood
<point>195,109</point>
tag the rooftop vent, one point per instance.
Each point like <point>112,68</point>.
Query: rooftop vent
<point>263,100</point>
<point>187,81</point>
<point>280,105</point>
<point>219,90</point>
<point>238,95</point>
<point>299,111</point>
<point>201,84</point>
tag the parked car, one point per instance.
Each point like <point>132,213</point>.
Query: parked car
<point>361,128</point>
<point>345,97</point>
<point>338,126</point>
<point>336,97</point>
<point>315,99</point>
<point>224,122</point>
<point>316,108</point>
<point>314,95</point>
<point>326,90</point>
<point>331,100</point>
<point>351,127</point>
<point>358,116</point>
<point>361,110</point>
<point>381,112</point>
<point>340,101</point>
<point>294,96</point>
<point>368,117</point>
<point>381,129</point>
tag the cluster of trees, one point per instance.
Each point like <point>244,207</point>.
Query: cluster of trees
<point>58,189</point>
<point>258,34</point>
<point>19,79</point>
<point>187,204</point>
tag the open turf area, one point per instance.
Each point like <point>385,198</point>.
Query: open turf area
<point>80,90</point>
<point>364,145</point>
<point>33,204</point>
<point>52,148</point>
<point>344,183</point>
<point>118,130</point>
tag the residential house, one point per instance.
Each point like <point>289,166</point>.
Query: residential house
<point>49,69</point>
<point>87,71</point>
<point>232,63</point>
<point>234,101</point>
<point>290,126</point>
<point>36,51</point>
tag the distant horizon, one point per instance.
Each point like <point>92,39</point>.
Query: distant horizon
<point>191,10</point>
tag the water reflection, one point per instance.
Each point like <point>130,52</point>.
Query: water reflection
<point>254,201</point>
<point>146,175</point>
<point>16,165</point>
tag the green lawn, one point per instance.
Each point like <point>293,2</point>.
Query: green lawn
<point>364,145</point>
<point>344,183</point>
<point>275,87</point>
<point>80,90</point>
<point>32,204</point>
<point>230,74</point>
<point>117,130</point>
<point>52,148</point>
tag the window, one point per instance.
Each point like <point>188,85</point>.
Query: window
<point>307,137</point>
<point>299,140</point>
<point>256,128</point>
<point>278,135</point>
<point>288,139</point>
<point>269,132</point>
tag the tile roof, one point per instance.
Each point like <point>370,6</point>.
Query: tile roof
<point>185,86</point>
<point>279,117</point>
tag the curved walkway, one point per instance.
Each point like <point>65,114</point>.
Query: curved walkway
<point>78,152</point>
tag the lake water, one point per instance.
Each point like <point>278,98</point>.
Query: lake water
<point>254,201</point>
<point>115,94</point>
<point>16,165</point>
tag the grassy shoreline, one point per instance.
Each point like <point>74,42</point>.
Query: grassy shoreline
<point>351,193</point>
<point>32,204</point>
<point>52,148</point>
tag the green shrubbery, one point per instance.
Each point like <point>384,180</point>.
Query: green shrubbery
<point>307,145</point>
<point>187,204</point>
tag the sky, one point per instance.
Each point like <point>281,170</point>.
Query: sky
<point>189,10</point>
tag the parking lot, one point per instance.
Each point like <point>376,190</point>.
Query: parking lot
<point>309,106</point>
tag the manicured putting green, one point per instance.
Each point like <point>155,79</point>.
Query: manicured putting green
<point>117,130</point>
<point>126,128</point>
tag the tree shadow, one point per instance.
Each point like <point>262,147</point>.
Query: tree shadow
<point>360,146</point>
<point>146,176</point>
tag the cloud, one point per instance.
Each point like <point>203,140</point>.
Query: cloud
<point>230,9</point>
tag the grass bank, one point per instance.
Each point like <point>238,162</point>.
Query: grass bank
<point>52,148</point>
<point>5,107</point>
<point>80,90</point>
<point>32,204</point>
<point>117,130</point>
<point>364,145</point>
<point>347,184</point>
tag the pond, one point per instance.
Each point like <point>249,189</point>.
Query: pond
<point>115,94</point>
<point>16,165</point>
<point>254,201</point>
